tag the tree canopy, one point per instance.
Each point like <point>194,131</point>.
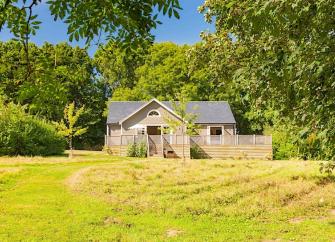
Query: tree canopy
<point>124,21</point>
<point>282,57</point>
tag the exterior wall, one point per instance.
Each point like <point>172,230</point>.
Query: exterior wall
<point>213,151</point>
<point>114,129</point>
<point>236,152</point>
<point>142,118</point>
<point>228,129</point>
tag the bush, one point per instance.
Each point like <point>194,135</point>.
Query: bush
<point>141,150</point>
<point>131,151</point>
<point>137,150</point>
<point>24,134</point>
<point>284,147</point>
<point>196,152</point>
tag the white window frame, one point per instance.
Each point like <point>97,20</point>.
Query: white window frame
<point>154,110</point>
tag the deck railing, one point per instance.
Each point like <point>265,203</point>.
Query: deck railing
<point>197,139</point>
<point>231,140</point>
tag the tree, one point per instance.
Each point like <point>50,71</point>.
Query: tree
<point>186,119</point>
<point>59,74</point>
<point>125,21</point>
<point>159,71</point>
<point>281,56</point>
<point>68,128</point>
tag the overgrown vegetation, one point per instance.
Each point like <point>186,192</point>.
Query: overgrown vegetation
<point>102,198</point>
<point>24,134</point>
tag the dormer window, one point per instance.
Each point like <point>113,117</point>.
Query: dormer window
<point>154,113</point>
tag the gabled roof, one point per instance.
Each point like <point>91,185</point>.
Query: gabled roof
<point>146,104</point>
<point>206,111</point>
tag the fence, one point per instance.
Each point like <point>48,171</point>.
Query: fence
<point>124,139</point>
<point>232,140</point>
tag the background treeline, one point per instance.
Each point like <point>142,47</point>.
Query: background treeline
<point>274,63</point>
<point>59,74</point>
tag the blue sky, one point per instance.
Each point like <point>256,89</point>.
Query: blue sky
<point>186,30</point>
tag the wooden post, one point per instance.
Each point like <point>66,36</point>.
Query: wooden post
<point>133,139</point>
<point>148,146</point>
<point>221,139</point>
<point>254,139</point>
<point>162,144</point>
<point>120,144</point>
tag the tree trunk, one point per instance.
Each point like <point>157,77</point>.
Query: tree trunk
<point>183,144</point>
<point>71,149</point>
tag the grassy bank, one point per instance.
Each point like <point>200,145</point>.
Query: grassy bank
<point>101,198</point>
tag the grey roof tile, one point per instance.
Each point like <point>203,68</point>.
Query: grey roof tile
<point>206,111</point>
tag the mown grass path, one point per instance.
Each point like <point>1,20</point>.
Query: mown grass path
<point>126,200</point>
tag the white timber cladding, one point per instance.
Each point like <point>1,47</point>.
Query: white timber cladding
<point>142,117</point>
<point>204,129</point>
<point>146,105</point>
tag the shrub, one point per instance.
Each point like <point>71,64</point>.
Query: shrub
<point>24,134</point>
<point>196,152</point>
<point>131,151</point>
<point>137,150</point>
<point>141,150</point>
<point>284,147</point>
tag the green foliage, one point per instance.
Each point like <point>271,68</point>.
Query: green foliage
<point>137,150</point>
<point>160,71</point>
<point>59,74</point>
<point>284,145</point>
<point>327,167</point>
<point>68,127</point>
<point>129,22</point>
<point>196,152</point>
<point>276,60</point>
<point>131,150</point>
<point>23,134</point>
<point>141,150</point>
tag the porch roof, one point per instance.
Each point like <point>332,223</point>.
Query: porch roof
<point>212,112</point>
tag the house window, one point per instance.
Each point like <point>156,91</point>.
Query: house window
<point>215,130</point>
<point>154,113</point>
<point>141,131</point>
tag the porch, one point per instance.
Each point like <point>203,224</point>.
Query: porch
<point>209,146</point>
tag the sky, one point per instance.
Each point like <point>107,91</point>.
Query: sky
<point>186,30</point>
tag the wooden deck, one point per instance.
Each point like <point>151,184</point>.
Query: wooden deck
<point>229,147</point>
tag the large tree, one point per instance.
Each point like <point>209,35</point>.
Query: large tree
<point>282,54</point>
<point>126,21</point>
<point>59,74</point>
<point>160,71</point>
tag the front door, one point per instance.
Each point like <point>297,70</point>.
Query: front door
<point>153,130</point>
<point>154,138</point>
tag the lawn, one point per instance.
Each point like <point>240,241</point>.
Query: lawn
<point>96,197</point>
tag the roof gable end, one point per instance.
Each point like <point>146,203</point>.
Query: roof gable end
<point>145,105</point>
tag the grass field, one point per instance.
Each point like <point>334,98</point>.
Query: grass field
<point>96,197</point>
